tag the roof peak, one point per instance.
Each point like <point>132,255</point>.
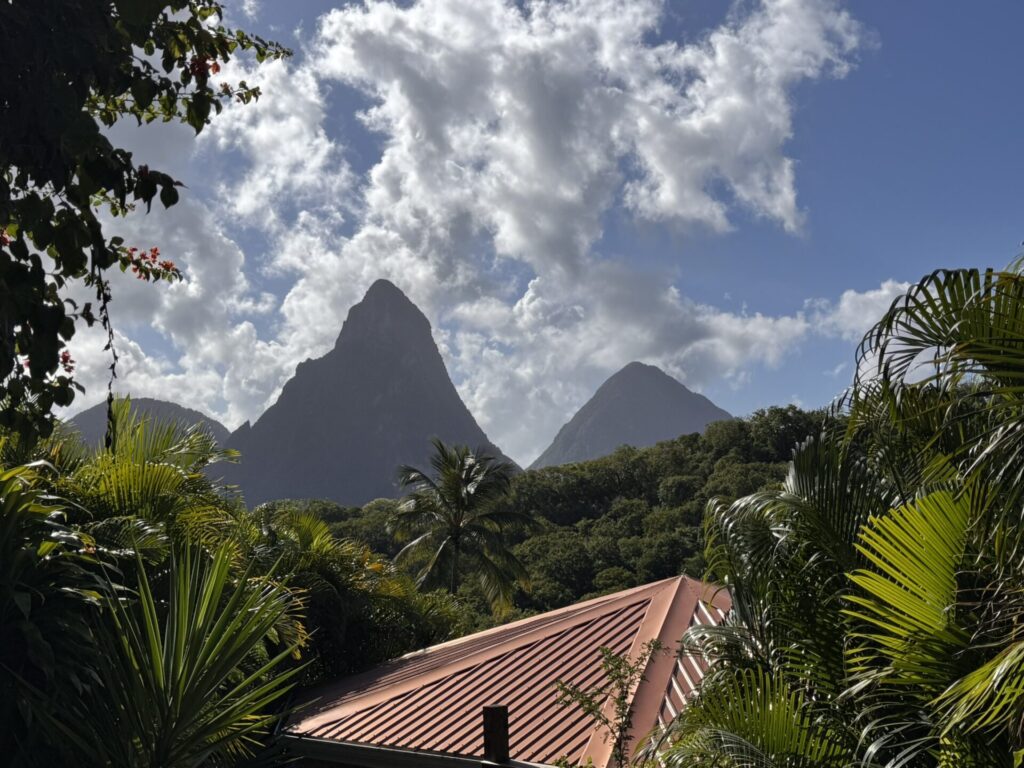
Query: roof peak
<point>563,644</point>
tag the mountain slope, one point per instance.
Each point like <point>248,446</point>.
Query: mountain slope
<point>345,422</point>
<point>91,423</point>
<point>640,406</point>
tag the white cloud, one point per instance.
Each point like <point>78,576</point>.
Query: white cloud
<point>508,132</point>
<point>528,367</point>
<point>200,338</point>
<point>290,162</point>
<point>855,312</point>
<point>530,122</point>
<point>836,370</point>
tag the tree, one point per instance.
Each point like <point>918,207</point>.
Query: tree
<point>49,592</point>
<point>877,596</point>
<point>152,486</point>
<point>456,525</point>
<point>67,69</point>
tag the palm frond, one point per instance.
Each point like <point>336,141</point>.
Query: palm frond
<point>175,690</point>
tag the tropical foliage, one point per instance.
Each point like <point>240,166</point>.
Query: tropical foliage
<point>878,596</point>
<point>455,524</point>
<point>49,591</point>
<point>184,681</point>
<point>612,523</point>
<point>69,69</point>
<point>150,618</point>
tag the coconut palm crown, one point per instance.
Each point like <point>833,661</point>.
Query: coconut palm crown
<point>454,521</point>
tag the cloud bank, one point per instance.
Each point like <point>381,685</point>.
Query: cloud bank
<point>506,134</point>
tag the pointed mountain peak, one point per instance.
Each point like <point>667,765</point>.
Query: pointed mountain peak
<point>639,405</point>
<point>346,421</point>
<point>643,375</point>
<point>384,291</point>
<point>637,369</point>
<point>385,315</point>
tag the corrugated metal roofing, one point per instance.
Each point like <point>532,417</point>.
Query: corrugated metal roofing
<point>431,700</point>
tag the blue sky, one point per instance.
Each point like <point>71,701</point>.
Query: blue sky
<point>899,125</point>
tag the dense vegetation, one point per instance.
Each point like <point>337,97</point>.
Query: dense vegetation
<point>457,524</point>
<point>598,526</point>
<point>149,618</point>
<point>878,596</point>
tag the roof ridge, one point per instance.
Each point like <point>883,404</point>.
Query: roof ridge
<point>550,615</point>
<point>664,614</point>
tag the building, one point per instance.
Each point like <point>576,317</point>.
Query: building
<point>424,710</point>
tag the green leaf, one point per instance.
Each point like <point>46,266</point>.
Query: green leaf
<point>168,195</point>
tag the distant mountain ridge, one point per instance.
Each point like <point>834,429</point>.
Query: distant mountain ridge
<point>640,405</point>
<point>91,423</point>
<point>345,422</point>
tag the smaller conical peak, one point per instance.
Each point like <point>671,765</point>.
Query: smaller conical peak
<point>637,367</point>
<point>637,374</point>
<point>638,370</point>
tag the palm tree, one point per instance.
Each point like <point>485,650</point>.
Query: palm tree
<point>154,480</point>
<point>878,597</point>
<point>94,674</point>
<point>362,609</point>
<point>455,521</point>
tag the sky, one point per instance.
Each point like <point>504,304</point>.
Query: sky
<point>732,192</point>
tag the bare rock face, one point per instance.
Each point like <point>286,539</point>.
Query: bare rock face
<point>91,423</point>
<point>345,422</point>
<point>640,405</point>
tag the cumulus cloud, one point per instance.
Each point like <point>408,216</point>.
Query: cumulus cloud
<point>199,333</point>
<point>507,133</point>
<point>528,367</point>
<point>530,121</point>
<point>290,163</point>
<point>855,312</point>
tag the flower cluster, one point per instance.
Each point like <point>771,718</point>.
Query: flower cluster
<point>147,265</point>
<point>202,67</point>
<point>67,362</point>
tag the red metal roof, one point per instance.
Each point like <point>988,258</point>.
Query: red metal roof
<point>431,700</point>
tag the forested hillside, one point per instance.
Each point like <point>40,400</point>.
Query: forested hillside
<point>622,520</point>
